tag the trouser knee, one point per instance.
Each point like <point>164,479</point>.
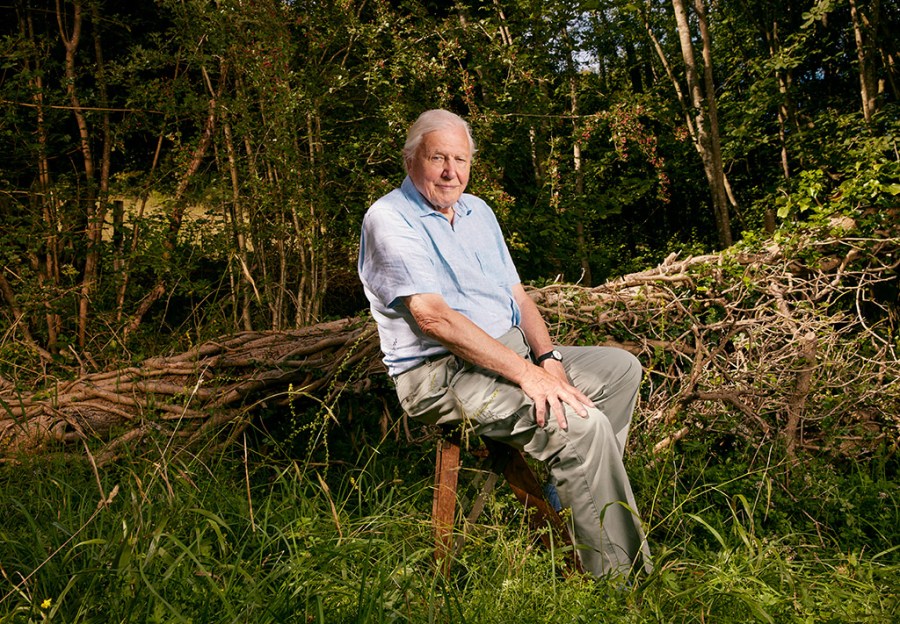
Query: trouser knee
<point>588,439</point>
<point>631,370</point>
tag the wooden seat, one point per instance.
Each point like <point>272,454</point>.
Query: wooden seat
<point>502,459</point>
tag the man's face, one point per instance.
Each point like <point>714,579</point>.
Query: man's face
<point>440,169</point>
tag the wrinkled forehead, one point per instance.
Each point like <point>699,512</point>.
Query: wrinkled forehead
<point>451,141</point>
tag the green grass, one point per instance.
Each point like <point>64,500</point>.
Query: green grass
<point>735,539</point>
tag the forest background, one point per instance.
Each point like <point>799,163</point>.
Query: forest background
<point>174,171</point>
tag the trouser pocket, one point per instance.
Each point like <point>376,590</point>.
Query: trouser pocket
<point>423,391</point>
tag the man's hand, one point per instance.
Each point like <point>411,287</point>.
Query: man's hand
<point>549,385</point>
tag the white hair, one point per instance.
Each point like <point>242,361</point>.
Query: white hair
<point>432,121</point>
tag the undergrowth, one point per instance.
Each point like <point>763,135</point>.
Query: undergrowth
<point>738,534</point>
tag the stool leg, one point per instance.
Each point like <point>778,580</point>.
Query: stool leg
<point>443,510</point>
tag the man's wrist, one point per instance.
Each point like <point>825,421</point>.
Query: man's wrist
<point>553,354</point>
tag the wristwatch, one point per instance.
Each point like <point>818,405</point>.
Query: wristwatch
<point>555,355</point>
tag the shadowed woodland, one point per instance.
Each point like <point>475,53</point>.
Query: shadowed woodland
<point>711,185</point>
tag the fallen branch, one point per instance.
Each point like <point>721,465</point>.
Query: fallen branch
<point>755,344</point>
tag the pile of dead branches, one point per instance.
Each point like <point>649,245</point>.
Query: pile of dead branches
<point>797,342</point>
<point>760,344</point>
<point>208,392</point>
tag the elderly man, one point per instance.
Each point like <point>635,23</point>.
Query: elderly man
<point>465,343</point>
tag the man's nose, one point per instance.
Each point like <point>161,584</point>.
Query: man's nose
<point>449,168</point>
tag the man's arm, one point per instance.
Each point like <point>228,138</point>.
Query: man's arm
<point>465,339</point>
<point>536,333</point>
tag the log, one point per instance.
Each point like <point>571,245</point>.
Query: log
<point>754,344</point>
<point>206,390</point>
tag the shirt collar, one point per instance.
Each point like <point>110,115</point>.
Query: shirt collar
<point>424,207</point>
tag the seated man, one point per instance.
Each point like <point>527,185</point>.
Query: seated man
<point>465,343</point>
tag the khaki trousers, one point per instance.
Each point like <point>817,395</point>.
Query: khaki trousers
<point>585,461</point>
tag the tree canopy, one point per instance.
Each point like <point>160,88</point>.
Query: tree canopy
<point>181,169</point>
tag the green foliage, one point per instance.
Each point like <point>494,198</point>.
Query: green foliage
<point>310,102</point>
<point>856,173</point>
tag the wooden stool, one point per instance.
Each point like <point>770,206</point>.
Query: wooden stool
<point>511,463</point>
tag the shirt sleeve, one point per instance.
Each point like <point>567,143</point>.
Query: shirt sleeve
<point>393,259</point>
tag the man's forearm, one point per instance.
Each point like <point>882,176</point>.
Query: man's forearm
<point>464,338</point>
<point>532,323</point>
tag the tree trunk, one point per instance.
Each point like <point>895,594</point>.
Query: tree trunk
<point>46,262</point>
<point>581,239</point>
<point>309,231</point>
<point>864,27</point>
<point>704,115</point>
<point>505,35</point>
<point>635,75</point>
<point>71,38</point>
<point>887,43</point>
<point>787,116</point>
<point>694,118</point>
<point>244,278</point>
<point>581,244</point>
<point>720,190</point>
<point>177,213</point>
<point>121,265</point>
<point>97,205</point>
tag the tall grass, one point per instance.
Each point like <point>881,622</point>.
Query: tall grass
<point>184,539</point>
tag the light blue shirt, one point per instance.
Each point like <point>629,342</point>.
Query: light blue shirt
<point>408,248</point>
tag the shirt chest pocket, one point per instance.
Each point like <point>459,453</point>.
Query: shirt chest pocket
<point>485,256</point>
<point>491,267</point>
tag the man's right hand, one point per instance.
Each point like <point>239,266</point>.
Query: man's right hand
<point>552,388</point>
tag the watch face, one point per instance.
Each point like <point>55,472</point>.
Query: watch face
<point>557,355</point>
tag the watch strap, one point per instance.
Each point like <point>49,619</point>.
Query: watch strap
<point>553,354</point>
